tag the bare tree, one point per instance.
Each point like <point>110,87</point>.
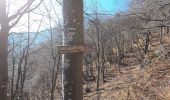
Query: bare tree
<point>4,31</point>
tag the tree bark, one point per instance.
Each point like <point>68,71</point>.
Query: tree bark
<point>73,62</point>
<point>4,30</point>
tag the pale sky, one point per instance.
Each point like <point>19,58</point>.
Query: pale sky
<point>55,11</point>
<point>42,13</point>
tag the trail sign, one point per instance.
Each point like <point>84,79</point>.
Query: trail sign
<point>74,49</point>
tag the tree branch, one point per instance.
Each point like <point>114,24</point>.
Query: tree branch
<point>23,10</point>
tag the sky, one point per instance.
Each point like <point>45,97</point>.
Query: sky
<point>104,6</point>
<point>112,6</point>
<point>107,6</point>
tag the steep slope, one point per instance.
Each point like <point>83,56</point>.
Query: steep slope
<point>151,82</point>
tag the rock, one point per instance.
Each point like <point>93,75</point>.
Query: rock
<point>145,63</point>
<point>161,52</point>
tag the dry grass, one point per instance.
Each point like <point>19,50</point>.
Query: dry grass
<point>149,83</point>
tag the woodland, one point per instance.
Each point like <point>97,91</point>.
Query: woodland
<point>66,50</point>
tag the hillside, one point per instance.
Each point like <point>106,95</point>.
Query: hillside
<point>150,82</point>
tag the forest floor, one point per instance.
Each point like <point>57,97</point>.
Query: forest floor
<point>152,82</point>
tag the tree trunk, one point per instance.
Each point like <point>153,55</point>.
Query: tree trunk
<point>103,61</point>
<point>73,62</point>
<point>98,53</point>
<point>3,51</point>
<point>160,37</point>
<point>147,34</point>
